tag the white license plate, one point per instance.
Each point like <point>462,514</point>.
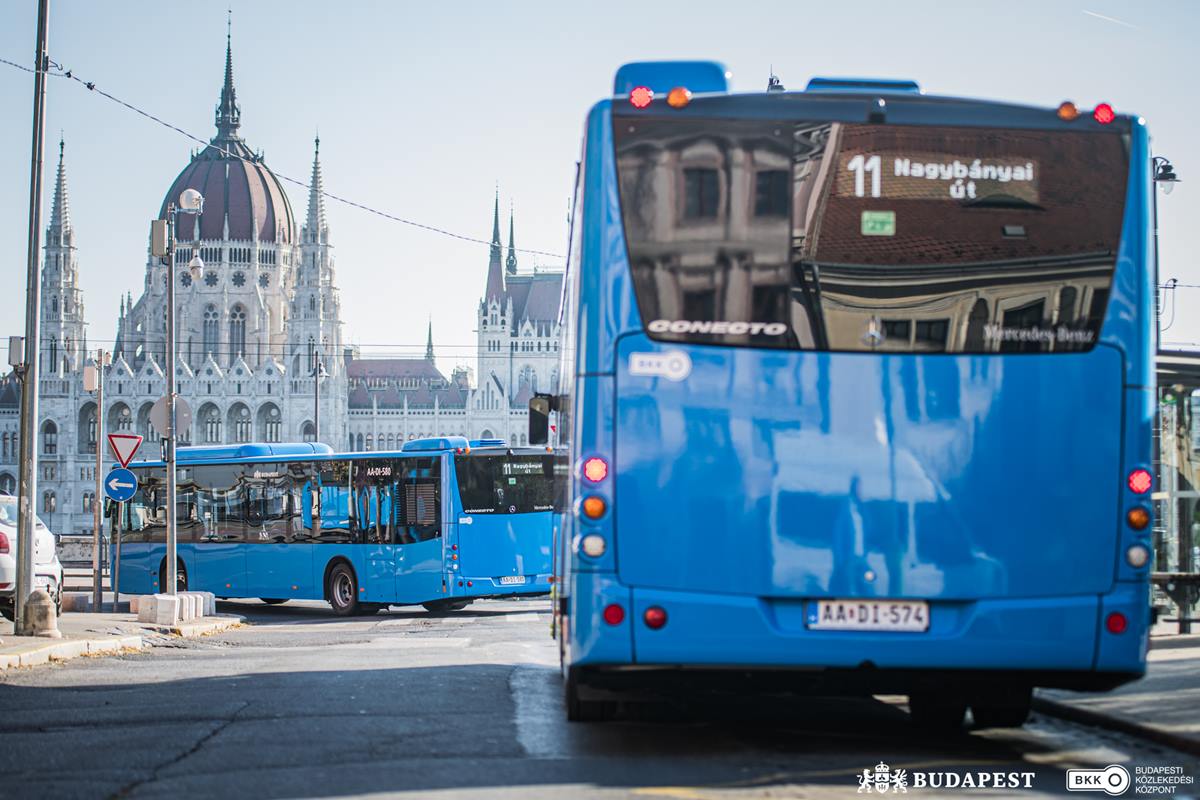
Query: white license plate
<point>508,580</point>
<point>869,615</point>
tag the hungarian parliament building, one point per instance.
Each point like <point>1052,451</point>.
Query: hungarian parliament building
<point>253,328</point>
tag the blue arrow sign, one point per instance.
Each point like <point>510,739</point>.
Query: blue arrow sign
<point>120,484</point>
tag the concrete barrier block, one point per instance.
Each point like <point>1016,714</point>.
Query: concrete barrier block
<point>133,604</point>
<point>145,608</point>
<point>189,606</point>
<point>77,601</point>
<point>158,609</point>
<point>206,604</point>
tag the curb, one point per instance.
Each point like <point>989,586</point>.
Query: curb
<point>63,650</point>
<point>1053,708</point>
<point>203,627</point>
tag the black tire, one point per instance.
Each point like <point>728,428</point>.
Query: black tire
<point>342,591</point>
<point>937,712</point>
<point>1003,709</point>
<point>274,601</point>
<point>181,580</point>
<point>443,606</point>
<point>581,710</point>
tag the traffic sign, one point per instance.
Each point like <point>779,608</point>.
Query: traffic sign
<point>124,446</point>
<point>183,416</point>
<point>120,484</point>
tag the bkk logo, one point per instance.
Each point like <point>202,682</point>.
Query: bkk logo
<point>1112,780</point>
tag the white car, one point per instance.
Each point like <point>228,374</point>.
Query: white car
<point>47,571</point>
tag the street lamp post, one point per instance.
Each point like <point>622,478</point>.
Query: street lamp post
<point>317,371</point>
<point>163,238</point>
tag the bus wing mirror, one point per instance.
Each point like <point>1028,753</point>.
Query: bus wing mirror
<point>540,406</point>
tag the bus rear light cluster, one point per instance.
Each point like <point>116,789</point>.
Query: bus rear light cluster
<point>1116,622</point>
<point>1138,517</point>
<point>1140,481</point>
<point>594,507</point>
<point>1137,556</point>
<point>655,617</point>
<point>3,543</point>
<point>614,614</point>
<point>595,469</point>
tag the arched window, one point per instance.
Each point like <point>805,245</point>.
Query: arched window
<point>240,424</point>
<point>53,353</point>
<point>359,445</point>
<point>370,442</point>
<point>271,422</point>
<point>87,502</point>
<point>49,437</point>
<point>210,419</point>
<point>308,432</point>
<point>49,502</point>
<point>54,304</point>
<point>237,332</point>
<point>212,321</point>
<point>8,484</point>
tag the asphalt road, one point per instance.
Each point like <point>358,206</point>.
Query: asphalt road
<point>301,704</point>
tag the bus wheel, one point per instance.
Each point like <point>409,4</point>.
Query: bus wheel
<point>580,710</point>
<point>937,712</point>
<point>1004,709</point>
<point>274,601</point>
<point>180,577</point>
<point>343,591</point>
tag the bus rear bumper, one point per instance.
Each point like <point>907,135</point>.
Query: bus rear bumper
<point>465,586</point>
<point>1055,641</point>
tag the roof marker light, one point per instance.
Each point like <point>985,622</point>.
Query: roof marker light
<point>679,97</point>
<point>1068,111</point>
<point>1140,481</point>
<point>595,469</point>
<point>1104,114</point>
<point>641,96</point>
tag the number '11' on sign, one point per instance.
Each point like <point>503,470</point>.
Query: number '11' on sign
<point>860,165</point>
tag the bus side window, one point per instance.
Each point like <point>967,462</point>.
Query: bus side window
<point>421,500</point>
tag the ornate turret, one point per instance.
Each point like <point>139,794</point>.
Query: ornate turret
<point>510,263</point>
<point>316,229</point>
<point>495,279</point>
<point>429,344</point>
<point>229,114</point>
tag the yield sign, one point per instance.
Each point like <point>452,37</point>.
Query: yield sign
<point>124,445</point>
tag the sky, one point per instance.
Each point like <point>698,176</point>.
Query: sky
<point>425,109</point>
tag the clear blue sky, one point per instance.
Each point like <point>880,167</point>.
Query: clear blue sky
<point>422,109</point>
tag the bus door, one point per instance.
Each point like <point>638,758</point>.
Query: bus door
<point>374,521</point>
<point>419,533</point>
<point>278,556</point>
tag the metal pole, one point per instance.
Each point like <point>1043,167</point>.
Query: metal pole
<point>115,575</point>
<point>97,539</point>
<point>172,558</point>
<point>33,343</point>
<point>317,396</point>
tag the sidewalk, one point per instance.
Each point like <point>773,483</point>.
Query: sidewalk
<point>1164,706</point>
<point>93,634</point>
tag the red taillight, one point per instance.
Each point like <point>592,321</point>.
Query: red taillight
<point>614,614</point>
<point>470,584</point>
<point>595,469</point>
<point>641,96</point>
<point>1104,114</point>
<point>655,617</point>
<point>1140,481</point>
<point>453,547</point>
<point>1116,622</point>
<point>3,543</point>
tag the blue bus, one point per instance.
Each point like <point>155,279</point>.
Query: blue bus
<point>440,523</point>
<point>858,395</point>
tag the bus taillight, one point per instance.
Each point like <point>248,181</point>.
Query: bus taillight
<point>655,617</point>
<point>595,469</point>
<point>1140,481</point>
<point>1116,622</point>
<point>614,614</point>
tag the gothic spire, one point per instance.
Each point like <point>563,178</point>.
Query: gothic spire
<point>510,263</point>
<point>495,279</point>
<point>429,344</point>
<point>315,229</point>
<point>229,114</point>
<point>60,209</point>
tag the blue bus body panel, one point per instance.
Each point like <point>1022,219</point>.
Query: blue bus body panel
<point>498,545</point>
<point>861,475</point>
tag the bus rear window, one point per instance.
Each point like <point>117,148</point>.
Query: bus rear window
<point>838,236</point>
<point>508,484</point>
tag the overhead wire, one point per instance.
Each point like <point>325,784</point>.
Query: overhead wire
<point>59,71</point>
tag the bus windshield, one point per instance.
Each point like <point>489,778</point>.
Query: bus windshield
<point>836,236</point>
<point>508,484</point>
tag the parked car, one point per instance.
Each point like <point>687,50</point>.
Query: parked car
<point>48,572</point>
